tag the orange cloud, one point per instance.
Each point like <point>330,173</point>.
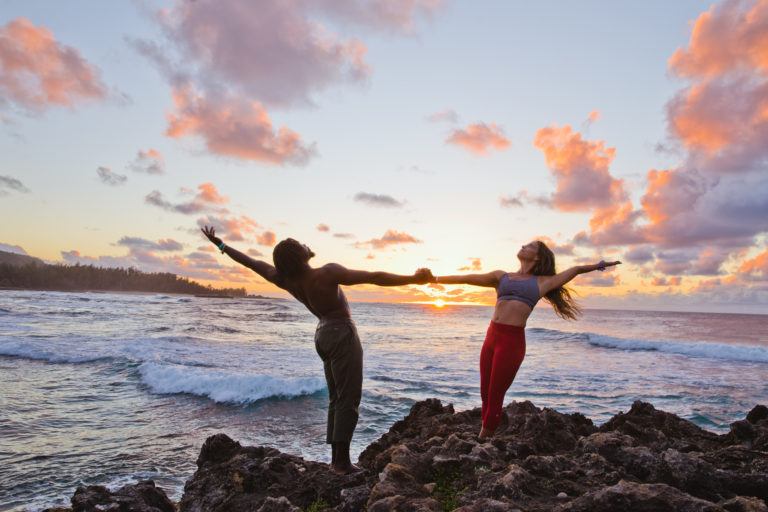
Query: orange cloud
<point>581,169</point>
<point>209,194</point>
<point>232,228</point>
<point>757,266</point>
<point>479,138</point>
<point>267,238</point>
<point>664,281</point>
<point>391,237</point>
<point>37,72</point>
<point>474,264</point>
<point>236,128</point>
<point>729,36</point>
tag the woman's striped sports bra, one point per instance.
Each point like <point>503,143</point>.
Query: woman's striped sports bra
<point>522,290</point>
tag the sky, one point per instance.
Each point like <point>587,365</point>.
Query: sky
<point>396,134</point>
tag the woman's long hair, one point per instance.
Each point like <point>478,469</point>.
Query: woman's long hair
<point>562,301</point>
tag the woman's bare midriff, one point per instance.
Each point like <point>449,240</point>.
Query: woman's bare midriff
<point>511,312</point>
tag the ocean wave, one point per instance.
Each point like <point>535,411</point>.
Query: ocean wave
<point>749,353</point>
<point>35,353</point>
<point>224,386</point>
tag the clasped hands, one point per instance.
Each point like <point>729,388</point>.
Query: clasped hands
<point>424,276</point>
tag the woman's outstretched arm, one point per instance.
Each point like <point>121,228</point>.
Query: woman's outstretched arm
<point>262,268</point>
<point>489,280</point>
<point>549,283</point>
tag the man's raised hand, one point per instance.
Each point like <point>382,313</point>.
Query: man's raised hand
<point>210,234</point>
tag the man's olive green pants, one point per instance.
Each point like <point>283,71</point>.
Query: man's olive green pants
<point>338,345</point>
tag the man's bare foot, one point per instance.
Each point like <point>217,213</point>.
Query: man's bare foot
<point>345,469</point>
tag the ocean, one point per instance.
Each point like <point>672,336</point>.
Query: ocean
<point>110,388</point>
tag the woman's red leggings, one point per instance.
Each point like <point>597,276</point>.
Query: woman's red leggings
<point>500,358</point>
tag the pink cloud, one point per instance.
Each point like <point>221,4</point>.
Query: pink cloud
<point>37,72</point>
<point>149,162</point>
<point>664,281</point>
<point>324,228</point>
<point>207,198</point>
<point>230,228</point>
<point>580,168</point>
<point>479,138</point>
<point>267,238</point>
<point>565,249</point>
<point>236,128</point>
<point>391,237</point>
<point>730,36</point>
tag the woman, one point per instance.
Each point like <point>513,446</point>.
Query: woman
<point>517,294</point>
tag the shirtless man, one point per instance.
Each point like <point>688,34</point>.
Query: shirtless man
<point>336,338</point>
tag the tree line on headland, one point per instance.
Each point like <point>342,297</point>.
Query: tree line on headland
<point>18,271</point>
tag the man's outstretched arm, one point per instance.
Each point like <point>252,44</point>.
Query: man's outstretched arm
<point>262,268</point>
<point>345,276</point>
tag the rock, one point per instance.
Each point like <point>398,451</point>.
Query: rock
<point>233,477</point>
<point>757,414</point>
<point>744,504</point>
<point>280,504</point>
<point>430,461</point>
<point>487,505</point>
<point>639,498</point>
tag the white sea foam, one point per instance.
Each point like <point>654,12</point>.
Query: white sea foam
<point>732,352</point>
<point>224,386</point>
<point>35,352</point>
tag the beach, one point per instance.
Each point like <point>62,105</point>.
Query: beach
<point>113,388</point>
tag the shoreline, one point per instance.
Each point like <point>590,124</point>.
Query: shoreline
<point>432,460</point>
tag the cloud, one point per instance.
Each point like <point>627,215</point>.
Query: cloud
<point>241,58</point>
<point>267,238</point>
<point>444,116</point>
<point>166,244</point>
<point>37,72</point>
<point>639,254</point>
<point>565,249</point>
<point>108,177</point>
<point>664,281</point>
<point>16,249</point>
<point>380,200</point>
<point>474,264</point>
<point>207,198</point>
<point>10,183</point>
<point>479,138</point>
<point>598,279</point>
<point>255,253</point>
<point>324,228</point>
<point>756,267</point>
<point>522,198</point>
<point>148,162</point>
<point>230,227</point>
<point>580,168</point>
<point>235,127</point>
<point>593,116</point>
<point>391,237</point>
<point>728,37</point>
<point>343,235</point>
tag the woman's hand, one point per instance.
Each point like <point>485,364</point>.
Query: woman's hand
<point>210,233</point>
<point>604,264</point>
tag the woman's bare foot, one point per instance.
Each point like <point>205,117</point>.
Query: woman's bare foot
<point>485,434</point>
<point>345,469</point>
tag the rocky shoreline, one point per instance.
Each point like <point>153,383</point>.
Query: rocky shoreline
<point>432,460</point>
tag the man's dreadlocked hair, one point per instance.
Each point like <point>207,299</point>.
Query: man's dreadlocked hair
<point>290,258</point>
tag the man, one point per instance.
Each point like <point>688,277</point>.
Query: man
<point>336,338</point>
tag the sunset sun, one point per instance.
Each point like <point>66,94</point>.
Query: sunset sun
<point>439,303</point>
